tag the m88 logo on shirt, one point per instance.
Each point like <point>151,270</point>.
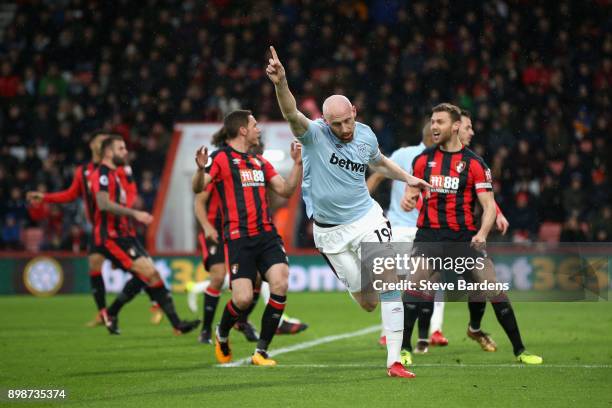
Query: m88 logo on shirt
<point>444,184</point>
<point>252,178</point>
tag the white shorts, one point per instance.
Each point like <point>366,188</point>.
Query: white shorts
<point>341,245</point>
<point>404,234</point>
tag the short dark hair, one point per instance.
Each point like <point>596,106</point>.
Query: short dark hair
<point>452,110</point>
<point>466,113</point>
<point>108,142</point>
<point>232,123</point>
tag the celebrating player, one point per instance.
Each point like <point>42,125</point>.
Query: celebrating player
<point>114,236</point>
<point>459,176</point>
<point>336,151</point>
<point>208,210</point>
<point>252,245</point>
<point>81,187</point>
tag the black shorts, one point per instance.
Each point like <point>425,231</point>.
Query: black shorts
<point>444,243</point>
<point>212,253</point>
<point>250,255</point>
<point>122,252</point>
<point>92,248</point>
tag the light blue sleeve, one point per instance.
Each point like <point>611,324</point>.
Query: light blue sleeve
<point>375,154</point>
<point>403,158</point>
<point>312,133</point>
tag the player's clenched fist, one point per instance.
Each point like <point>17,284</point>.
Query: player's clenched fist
<point>143,217</point>
<point>275,70</point>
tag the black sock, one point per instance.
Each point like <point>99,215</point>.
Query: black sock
<point>425,313</point>
<point>131,289</point>
<point>98,290</point>
<point>245,316</point>
<point>411,312</point>
<point>477,310</point>
<point>231,313</point>
<point>147,290</point>
<point>211,300</point>
<point>269,321</point>
<point>163,297</point>
<point>507,319</point>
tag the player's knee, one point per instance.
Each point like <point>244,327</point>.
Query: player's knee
<point>279,287</point>
<point>217,277</point>
<point>242,300</point>
<point>144,268</point>
<point>95,262</point>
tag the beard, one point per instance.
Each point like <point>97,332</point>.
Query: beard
<point>118,161</point>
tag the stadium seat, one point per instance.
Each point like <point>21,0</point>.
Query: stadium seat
<point>550,232</point>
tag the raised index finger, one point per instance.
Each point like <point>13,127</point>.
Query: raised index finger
<point>274,55</point>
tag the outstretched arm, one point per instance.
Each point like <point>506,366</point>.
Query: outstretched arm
<point>389,169</point>
<point>286,101</point>
<point>105,204</point>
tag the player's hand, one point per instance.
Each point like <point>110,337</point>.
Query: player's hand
<point>479,242</point>
<point>419,183</point>
<point>410,199</point>
<point>296,152</point>
<point>275,70</point>
<point>143,217</point>
<point>502,223</point>
<point>210,233</point>
<point>34,196</point>
<point>201,157</point>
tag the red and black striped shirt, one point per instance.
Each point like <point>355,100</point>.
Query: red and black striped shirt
<point>240,180</point>
<point>455,178</point>
<point>80,187</point>
<point>106,224</point>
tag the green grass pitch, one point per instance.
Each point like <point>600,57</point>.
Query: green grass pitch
<point>44,344</point>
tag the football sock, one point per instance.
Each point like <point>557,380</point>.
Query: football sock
<point>245,316</point>
<point>265,292</point>
<point>425,313</point>
<point>392,314</point>
<point>231,313</point>
<point>477,311</point>
<point>163,297</point>
<point>131,289</point>
<point>97,289</point>
<point>507,319</point>
<point>269,321</point>
<point>211,300</point>
<point>437,317</point>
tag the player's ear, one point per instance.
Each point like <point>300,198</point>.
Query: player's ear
<point>354,109</point>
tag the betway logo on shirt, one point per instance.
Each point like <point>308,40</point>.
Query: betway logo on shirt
<point>444,184</point>
<point>347,164</point>
<point>252,178</point>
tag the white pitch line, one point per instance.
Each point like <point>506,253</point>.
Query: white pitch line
<point>443,365</point>
<point>305,345</point>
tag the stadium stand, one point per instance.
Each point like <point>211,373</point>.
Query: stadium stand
<point>537,84</point>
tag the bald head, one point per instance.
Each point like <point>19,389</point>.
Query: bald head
<point>336,105</point>
<point>340,114</point>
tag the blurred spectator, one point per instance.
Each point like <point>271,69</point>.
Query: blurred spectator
<point>524,224</point>
<point>536,81</point>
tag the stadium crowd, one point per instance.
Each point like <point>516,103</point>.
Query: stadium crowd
<point>536,82</point>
